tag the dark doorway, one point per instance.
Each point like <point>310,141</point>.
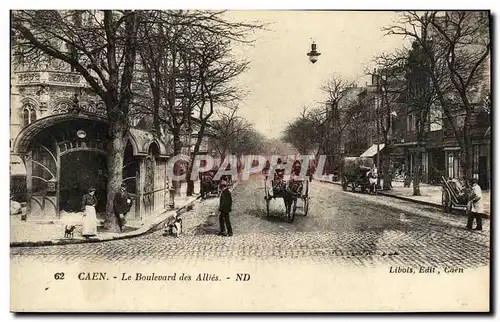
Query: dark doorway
<point>81,170</point>
<point>483,173</point>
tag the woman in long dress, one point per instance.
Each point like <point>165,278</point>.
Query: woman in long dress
<point>89,201</point>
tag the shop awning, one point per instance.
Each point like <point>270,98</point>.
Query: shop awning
<point>372,151</point>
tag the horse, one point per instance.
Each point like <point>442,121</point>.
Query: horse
<point>293,190</point>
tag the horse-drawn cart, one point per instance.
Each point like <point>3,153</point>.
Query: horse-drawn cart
<point>454,195</point>
<point>290,191</point>
<point>356,173</point>
<point>209,186</point>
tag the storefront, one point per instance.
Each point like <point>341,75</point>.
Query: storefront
<point>66,154</point>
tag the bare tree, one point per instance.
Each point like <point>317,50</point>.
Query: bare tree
<point>303,132</point>
<point>420,97</point>
<point>226,130</point>
<point>461,47</point>
<point>101,46</point>
<point>341,109</point>
<point>389,80</point>
<point>218,70</point>
<point>190,71</point>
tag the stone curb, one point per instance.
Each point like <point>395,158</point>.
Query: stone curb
<point>422,202</point>
<point>136,233</point>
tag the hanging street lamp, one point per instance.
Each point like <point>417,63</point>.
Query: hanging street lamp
<point>313,54</point>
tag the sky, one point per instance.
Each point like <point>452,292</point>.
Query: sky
<point>281,79</point>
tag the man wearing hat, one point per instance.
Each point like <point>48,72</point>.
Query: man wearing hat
<point>225,204</point>
<point>475,206</point>
<point>121,205</point>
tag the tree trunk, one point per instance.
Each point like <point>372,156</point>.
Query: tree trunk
<point>177,151</point>
<point>385,170</point>
<point>467,158</point>
<point>416,172</point>
<point>190,183</point>
<point>115,172</point>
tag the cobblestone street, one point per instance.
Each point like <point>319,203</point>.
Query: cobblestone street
<point>341,228</point>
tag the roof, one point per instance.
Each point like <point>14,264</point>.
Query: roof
<point>372,150</point>
<point>141,140</point>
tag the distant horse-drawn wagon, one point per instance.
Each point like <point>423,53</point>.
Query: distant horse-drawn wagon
<point>357,173</point>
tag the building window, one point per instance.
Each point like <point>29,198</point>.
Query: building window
<point>411,122</point>
<point>425,164</point>
<point>454,169</point>
<point>28,113</point>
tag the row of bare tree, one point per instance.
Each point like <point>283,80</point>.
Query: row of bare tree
<point>444,71</point>
<point>174,67</point>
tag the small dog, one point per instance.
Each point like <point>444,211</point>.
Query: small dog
<point>174,227</point>
<point>69,231</point>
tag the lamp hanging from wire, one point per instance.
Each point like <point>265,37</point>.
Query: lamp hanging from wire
<point>313,54</point>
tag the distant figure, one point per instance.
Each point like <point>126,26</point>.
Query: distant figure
<point>475,206</point>
<point>89,202</point>
<point>372,178</point>
<point>225,205</point>
<point>121,205</point>
<point>296,168</point>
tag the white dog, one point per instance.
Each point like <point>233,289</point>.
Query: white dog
<point>174,228</point>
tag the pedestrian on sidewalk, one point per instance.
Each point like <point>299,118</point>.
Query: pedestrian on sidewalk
<point>89,202</point>
<point>372,179</point>
<point>475,206</point>
<point>225,204</point>
<point>121,205</point>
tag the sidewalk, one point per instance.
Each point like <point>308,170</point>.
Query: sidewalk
<point>430,195</point>
<point>32,233</point>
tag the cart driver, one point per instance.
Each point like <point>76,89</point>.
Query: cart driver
<point>296,168</point>
<point>279,174</point>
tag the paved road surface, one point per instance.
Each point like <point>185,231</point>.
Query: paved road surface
<point>342,227</point>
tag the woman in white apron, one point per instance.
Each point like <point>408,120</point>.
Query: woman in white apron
<point>89,202</point>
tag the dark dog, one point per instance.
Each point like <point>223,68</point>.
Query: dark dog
<point>174,227</point>
<point>69,231</point>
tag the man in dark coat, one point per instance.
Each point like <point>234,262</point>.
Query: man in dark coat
<point>225,204</point>
<point>121,205</point>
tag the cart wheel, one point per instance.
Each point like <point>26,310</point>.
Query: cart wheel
<point>445,199</point>
<point>294,210</point>
<point>306,205</point>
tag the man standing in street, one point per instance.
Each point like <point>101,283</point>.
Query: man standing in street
<point>475,206</point>
<point>121,205</point>
<point>225,204</point>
